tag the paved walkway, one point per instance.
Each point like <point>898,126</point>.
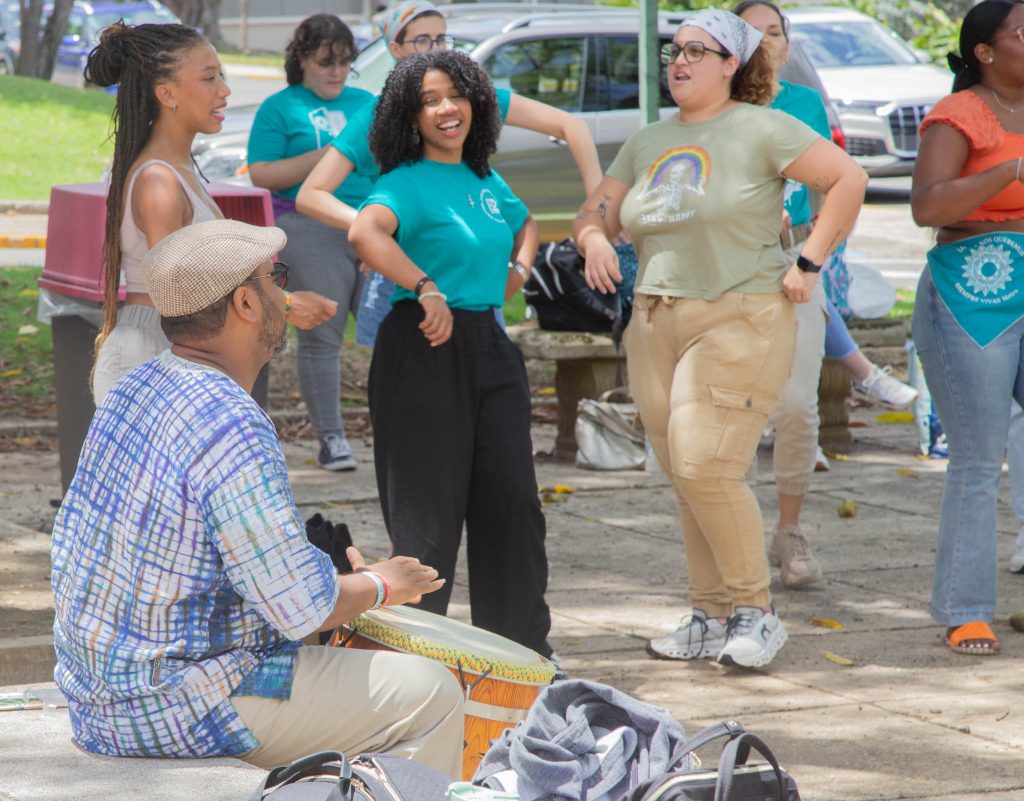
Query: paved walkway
<point>909,719</point>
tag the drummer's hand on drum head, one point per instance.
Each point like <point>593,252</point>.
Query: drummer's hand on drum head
<point>409,579</point>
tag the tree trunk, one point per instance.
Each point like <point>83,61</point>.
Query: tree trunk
<point>204,14</point>
<point>38,43</point>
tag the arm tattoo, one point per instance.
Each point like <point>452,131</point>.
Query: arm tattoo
<point>602,207</point>
<point>822,184</point>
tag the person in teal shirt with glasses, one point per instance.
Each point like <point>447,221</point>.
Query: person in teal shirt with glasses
<point>411,27</point>
<point>449,396</point>
<point>292,130</point>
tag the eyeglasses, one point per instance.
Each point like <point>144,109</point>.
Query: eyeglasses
<point>279,275</point>
<point>1018,32</point>
<point>693,52</point>
<point>424,44</point>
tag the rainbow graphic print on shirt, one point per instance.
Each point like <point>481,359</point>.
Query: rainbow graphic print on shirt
<point>674,177</point>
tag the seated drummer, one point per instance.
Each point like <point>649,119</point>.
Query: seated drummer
<point>182,574</point>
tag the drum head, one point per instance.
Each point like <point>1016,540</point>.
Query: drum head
<point>455,644</point>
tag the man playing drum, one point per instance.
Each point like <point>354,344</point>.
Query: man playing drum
<point>182,575</point>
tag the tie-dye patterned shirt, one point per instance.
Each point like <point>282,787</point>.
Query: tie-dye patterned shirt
<point>181,571</point>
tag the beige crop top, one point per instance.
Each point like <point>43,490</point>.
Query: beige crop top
<point>134,245</point>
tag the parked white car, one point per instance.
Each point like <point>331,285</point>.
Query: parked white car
<point>880,86</point>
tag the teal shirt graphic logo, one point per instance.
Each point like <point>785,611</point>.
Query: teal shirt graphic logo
<point>980,280</point>
<point>489,204</point>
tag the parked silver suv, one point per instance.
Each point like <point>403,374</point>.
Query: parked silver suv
<point>582,60</point>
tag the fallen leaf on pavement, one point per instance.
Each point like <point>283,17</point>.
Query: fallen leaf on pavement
<point>826,623</point>
<point>836,659</point>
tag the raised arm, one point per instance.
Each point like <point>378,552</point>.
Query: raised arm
<point>545,119</point>
<point>597,222</point>
<point>938,196</point>
<point>372,237</point>
<point>826,169</point>
<point>285,173</point>
<point>316,195</point>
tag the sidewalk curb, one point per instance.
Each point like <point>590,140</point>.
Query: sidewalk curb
<point>28,241</point>
<point>24,206</point>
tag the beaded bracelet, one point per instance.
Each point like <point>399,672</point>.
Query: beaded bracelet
<point>287,304</point>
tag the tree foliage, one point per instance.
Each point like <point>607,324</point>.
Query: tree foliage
<point>203,14</point>
<point>39,39</point>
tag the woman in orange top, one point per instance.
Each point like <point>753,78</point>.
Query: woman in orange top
<point>969,316</point>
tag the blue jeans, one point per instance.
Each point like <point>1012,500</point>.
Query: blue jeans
<point>838,342</point>
<point>971,388</point>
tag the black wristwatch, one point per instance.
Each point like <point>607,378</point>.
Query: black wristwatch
<point>805,265</point>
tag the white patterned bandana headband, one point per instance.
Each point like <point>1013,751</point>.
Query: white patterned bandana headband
<point>738,37</point>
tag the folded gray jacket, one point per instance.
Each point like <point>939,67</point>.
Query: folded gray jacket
<point>583,741</point>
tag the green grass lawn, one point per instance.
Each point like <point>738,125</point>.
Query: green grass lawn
<point>51,135</point>
<point>26,367</point>
<point>262,59</point>
<point>904,306</point>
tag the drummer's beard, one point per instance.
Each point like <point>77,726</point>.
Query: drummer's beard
<point>273,334</point>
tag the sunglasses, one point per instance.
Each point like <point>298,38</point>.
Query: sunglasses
<point>693,52</point>
<point>424,44</point>
<point>279,275</point>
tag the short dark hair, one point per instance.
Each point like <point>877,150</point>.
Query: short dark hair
<point>198,326</point>
<point>394,139</point>
<point>311,34</point>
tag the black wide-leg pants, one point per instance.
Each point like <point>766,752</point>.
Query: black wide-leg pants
<point>452,445</point>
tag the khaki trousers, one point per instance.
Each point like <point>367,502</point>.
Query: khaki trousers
<point>705,375</point>
<point>355,701</point>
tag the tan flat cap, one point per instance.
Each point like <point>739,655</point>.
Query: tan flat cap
<point>199,264</point>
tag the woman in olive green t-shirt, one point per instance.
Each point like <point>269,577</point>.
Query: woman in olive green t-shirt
<point>711,339</point>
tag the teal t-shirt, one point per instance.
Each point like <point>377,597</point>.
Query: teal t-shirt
<point>295,120</point>
<point>807,106</point>
<point>354,141</point>
<point>460,233</point>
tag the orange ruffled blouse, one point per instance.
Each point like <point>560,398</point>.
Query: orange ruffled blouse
<point>989,145</point>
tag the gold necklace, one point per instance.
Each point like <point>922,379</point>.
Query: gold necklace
<point>999,100</point>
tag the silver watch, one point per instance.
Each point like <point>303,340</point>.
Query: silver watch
<point>519,268</point>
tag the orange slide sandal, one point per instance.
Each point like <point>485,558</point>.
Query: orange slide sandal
<point>975,638</point>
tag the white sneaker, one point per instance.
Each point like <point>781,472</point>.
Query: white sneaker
<point>821,464</point>
<point>881,387</point>
<point>792,552</point>
<point>1017,560</point>
<point>698,637</point>
<point>754,637</point>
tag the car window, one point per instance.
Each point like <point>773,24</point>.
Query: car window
<point>619,74</point>
<point>549,70</point>
<point>851,44</point>
<point>75,25</point>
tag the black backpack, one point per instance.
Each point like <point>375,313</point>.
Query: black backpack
<point>559,294</point>
<point>734,779</point>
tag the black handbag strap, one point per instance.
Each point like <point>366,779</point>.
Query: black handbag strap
<point>735,753</point>
<point>322,763</point>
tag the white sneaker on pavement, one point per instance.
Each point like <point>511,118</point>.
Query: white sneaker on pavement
<point>698,637</point>
<point>821,464</point>
<point>1017,559</point>
<point>881,387</point>
<point>791,551</point>
<point>754,637</point>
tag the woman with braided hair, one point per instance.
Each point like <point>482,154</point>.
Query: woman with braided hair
<point>170,87</point>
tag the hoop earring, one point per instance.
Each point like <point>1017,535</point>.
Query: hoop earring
<point>174,108</point>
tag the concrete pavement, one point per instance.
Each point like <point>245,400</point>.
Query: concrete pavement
<point>909,719</point>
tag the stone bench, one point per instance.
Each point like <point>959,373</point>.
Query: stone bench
<point>585,366</point>
<point>41,763</point>
<point>588,364</point>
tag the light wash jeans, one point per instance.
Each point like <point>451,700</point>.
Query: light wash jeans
<point>971,388</point>
<point>321,260</point>
<point>1015,459</point>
